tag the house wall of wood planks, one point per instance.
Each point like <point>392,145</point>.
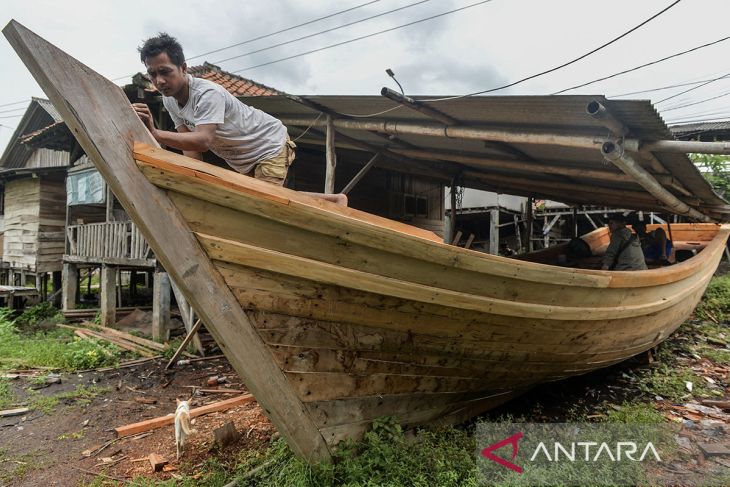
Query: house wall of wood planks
<point>34,224</point>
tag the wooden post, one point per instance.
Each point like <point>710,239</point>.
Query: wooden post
<point>494,231</point>
<point>108,295</point>
<point>528,225</point>
<point>70,285</point>
<point>518,237</point>
<point>329,180</point>
<point>575,221</point>
<point>109,204</point>
<point>188,316</point>
<point>132,287</point>
<point>57,280</point>
<point>452,226</point>
<point>161,306</point>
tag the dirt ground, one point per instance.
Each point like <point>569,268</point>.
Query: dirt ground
<point>40,449</point>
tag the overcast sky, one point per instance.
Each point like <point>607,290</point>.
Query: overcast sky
<point>478,48</point>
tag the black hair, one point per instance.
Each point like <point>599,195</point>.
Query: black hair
<point>159,44</point>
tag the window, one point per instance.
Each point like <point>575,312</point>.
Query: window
<point>85,187</point>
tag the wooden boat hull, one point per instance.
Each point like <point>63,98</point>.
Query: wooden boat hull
<point>366,321</point>
<point>333,317</point>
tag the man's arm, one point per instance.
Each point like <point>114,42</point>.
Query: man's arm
<point>198,141</point>
<point>612,250</point>
<point>194,154</point>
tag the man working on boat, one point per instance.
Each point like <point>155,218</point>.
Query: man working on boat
<point>655,244</point>
<point>208,117</point>
<point>624,250</point>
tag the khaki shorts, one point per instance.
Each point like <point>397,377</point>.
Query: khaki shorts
<point>274,170</point>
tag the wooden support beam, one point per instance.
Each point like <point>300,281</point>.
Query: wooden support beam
<point>331,155</point>
<point>494,231</point>
<point>360,174</point>
<point>161,306</point>
<point>529,217</point>
<point>188,338</point>
<point>188,316</point>
<point>70,285</point>
<point>108,295</point>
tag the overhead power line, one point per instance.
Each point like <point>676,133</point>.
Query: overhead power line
<point>15,103</point>
<point>284,30</point>
<point>334,14</point>
<point>692,89</point>
<point>349,41</point>
<point>650,90</point>
<point>644,65</point>
<point>13,110</point>
<point>573,61</point>
<point>309,36</point>
<point>696,102</point>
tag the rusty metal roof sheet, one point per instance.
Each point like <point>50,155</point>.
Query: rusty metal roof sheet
<point>474,162</point>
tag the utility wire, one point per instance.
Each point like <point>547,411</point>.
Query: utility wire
<point>650,90</point>
<point>14,116</point>
<point>13,110</point>
<point>696,103</point>
<point>308,36</point>
<point>272,33</point>
<point>283,30</point>
<point>692,89</point>
<point>551,70</point>
<point>644,65</point>
<point>15,103</point>
<point>305,53</point>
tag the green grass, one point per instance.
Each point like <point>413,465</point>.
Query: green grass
<point>49,404</point>
<point>7,398</point>
<point>715,304</point>
<point>635,413</point>
<point>55,348</point>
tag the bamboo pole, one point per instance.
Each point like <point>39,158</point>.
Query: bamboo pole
<point>615,153</point>
<point>329,180</point>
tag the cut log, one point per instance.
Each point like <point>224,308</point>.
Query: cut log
<point>13,412</point>
<point>150,424</point>
<point>157,462</point>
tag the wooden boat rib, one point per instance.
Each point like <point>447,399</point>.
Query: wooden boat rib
<point>334,317</point>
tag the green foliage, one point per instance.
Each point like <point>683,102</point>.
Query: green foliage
<point>7,398</point>
<point>384,457</point>
<point>635,413</point>
<point>34,319</point>
<point>81,396</point>
<point>671,383</point>
<point>713,168</point>
<point>715,304</point>
<point>57,348</point>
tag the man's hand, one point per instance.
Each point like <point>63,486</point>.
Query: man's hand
<point>144,114</point>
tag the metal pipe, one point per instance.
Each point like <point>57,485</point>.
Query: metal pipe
<point>598,111</point>
<point>614,153</point>
<point>477,132</point>
<point>418,106</point>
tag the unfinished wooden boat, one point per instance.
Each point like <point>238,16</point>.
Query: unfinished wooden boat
<point>334,317</point>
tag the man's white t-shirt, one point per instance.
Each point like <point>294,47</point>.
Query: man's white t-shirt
<point>244,135</point>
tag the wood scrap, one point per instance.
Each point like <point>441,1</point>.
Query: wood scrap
<point>718,403</point>
<point>120,342</point>
<point>221,391</point>
<point>127,336</point>
<point>150,424</point>
<point>145,400</point>
<point>130,363</point>
<point>226,434</point>
<point>157,462</point>
<point>6,413</point>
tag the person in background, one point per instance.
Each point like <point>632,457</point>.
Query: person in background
<point>624,250</point>
<point>655,244</point>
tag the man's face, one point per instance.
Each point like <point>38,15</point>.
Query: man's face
<point>170,80</point>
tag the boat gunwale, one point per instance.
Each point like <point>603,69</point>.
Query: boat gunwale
<point>205,174</point>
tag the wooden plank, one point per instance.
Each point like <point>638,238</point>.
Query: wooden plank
<point>98,114</point>
<point>187,314</point>
<point>129,337</point>
<point>150,424</point>
<point>69,284</point>
<point>247,255</point>
<point>188,338</point>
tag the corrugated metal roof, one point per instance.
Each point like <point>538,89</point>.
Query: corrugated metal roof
<point>699,128</point>
<point>39,114</point>
<point>578,175</point>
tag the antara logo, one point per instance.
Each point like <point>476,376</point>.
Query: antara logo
<point>592,452</point>
<point>512,440</point>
